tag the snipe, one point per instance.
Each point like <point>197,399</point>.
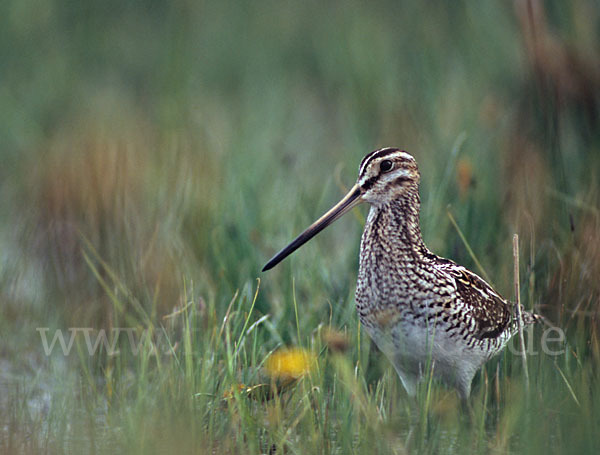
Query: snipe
<point>419,308</point>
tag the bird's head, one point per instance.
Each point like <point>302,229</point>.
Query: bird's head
<point>383,176</point>
<point>387,174</point>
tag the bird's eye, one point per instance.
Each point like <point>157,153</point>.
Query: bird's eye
<point>386,165</point>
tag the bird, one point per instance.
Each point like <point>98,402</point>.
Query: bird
<point>427,314</point>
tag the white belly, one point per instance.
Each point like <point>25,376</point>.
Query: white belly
<point>416,350</point>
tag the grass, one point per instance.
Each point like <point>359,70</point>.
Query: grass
<point>156,155</point>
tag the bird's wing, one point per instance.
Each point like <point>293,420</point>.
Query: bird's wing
<point>490,311</point>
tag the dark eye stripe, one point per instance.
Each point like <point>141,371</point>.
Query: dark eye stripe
<point>369,183</point>
<point>397,181</point>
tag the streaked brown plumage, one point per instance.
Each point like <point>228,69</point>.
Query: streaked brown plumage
<point>415,305</point>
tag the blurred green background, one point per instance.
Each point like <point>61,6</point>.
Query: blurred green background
<point>156,154</point>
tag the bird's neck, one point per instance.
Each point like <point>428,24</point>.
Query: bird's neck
<point>396,225</point>
<point>393,256</point>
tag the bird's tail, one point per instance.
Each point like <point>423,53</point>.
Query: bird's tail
<point>530,317</point>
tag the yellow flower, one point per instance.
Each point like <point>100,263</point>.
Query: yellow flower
<point>290,363</point>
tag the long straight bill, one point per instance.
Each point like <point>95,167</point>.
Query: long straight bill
<point>350,200</point>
